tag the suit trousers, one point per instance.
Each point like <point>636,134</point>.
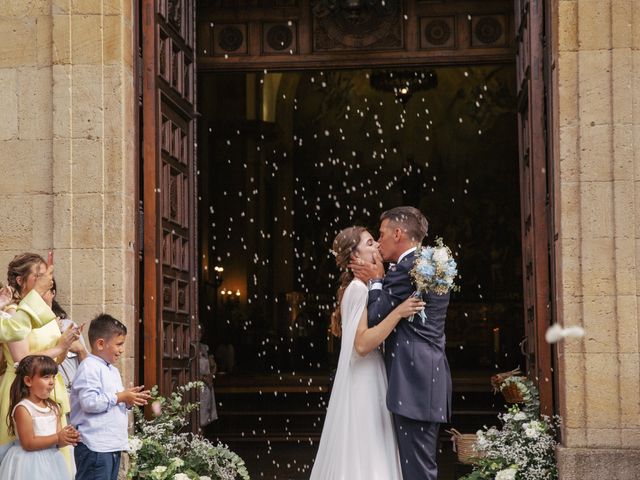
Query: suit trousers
<point>418,445</point>
<point>96,465</point>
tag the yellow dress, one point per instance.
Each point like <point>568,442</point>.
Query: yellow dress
<point>32,312</point>
<point>40,339</point>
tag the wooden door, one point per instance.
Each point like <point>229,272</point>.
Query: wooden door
<point>534,192</point>
<point>168,125</point>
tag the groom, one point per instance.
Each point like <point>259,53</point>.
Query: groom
<point>419,394</point>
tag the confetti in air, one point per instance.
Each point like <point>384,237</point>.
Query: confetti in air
<point>556,332</point>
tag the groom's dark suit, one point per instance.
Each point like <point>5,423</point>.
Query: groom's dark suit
<point>419,393</point>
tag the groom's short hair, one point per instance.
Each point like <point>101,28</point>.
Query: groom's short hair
<point>409,219</point>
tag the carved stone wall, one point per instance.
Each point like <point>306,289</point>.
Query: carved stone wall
<point>310,32</point>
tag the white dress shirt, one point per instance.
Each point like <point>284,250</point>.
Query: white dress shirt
<point>378,285</point>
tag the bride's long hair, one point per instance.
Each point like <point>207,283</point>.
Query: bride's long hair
<point>345,243</point>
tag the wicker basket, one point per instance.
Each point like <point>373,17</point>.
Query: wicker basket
<point>498,379</point>
<point>463,446</point>
<point>512,393</point>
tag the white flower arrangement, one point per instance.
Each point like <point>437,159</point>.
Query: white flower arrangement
<point>159,451</point>
<point>520,416</point>
<point>135,444</point>
<point>523,449</point>
<point>507,474</point>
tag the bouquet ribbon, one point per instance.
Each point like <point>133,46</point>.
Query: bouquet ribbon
<point>421,314</point>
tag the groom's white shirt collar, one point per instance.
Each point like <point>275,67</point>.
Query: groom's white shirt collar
<point>413,249</point>
<point>377,285</point>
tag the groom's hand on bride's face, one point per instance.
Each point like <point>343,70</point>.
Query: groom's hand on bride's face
<point>365,271</point>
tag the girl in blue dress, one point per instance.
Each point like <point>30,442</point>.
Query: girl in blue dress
<point>35,421</point>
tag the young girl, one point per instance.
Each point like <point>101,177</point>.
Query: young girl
<point>35,420</point>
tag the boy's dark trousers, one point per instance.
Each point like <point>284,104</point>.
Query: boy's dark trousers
<point>92,465</point>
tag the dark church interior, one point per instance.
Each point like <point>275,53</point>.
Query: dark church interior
<point>286,159</point>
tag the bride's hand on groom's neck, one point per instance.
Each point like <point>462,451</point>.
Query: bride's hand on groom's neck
<point>366,271</point>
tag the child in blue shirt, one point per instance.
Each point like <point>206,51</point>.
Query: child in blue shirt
<point>99,403</point>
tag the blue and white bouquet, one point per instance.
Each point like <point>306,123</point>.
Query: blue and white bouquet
<point>434,271</point>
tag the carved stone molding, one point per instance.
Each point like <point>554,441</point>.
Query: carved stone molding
<point>279,38</point>
<point>489,30</point>
<point>357,24</point>
<point>437,32</point>
<point>230,39</point>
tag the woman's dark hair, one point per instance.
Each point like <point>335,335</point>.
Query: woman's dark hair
<point>55,306</point>
<point>345,243</point>
<point>20,267</point>
<point>30,366</point>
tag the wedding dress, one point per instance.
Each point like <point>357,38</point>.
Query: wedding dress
<point>358,441</point>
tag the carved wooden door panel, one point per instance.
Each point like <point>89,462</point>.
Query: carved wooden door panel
<point>169,304</point>
<point>534,193</point>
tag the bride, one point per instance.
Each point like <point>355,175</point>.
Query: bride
<point>358,440</point>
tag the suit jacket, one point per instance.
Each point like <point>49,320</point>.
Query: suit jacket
<point>417,367</point>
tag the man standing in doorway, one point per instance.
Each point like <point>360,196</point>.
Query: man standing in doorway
<point>419,394</point>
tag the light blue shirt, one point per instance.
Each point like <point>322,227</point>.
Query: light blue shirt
<point>95,411</point>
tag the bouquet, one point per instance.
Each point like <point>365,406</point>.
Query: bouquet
<point>434,271</point>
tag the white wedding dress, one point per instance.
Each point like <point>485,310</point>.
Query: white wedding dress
<point>358,441</point>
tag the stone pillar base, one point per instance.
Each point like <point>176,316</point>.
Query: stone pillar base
<point>598,463</point>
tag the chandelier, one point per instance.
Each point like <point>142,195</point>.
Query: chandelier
<point>403,83</point>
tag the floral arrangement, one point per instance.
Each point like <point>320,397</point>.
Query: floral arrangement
<point>435,269</point>
<point>160,451</point>
<point>529,392</point>
<point>524,448</point>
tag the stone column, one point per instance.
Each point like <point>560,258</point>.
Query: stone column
<point>597,122</point>
<point>94,159</point>
<point>67,137</point>
<point>26,202</point>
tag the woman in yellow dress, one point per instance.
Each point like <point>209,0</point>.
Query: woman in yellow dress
<point>22,276</point>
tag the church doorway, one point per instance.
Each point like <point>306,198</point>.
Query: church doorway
<point>287,159</point>
<point>313,116</point>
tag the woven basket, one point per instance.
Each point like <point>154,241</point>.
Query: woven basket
<point>463,446</point>
<point>512,393</point>
<point>498,379</point>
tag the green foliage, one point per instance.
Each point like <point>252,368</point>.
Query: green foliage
<point>524,448</point>
<point>530,394</point>
<point>160,450</point>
